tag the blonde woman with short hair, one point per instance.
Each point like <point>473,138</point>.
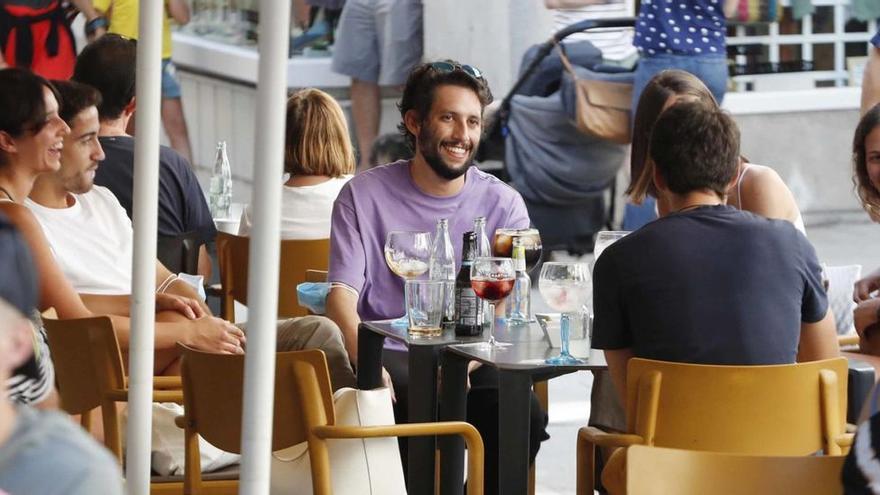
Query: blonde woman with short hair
<point>319,159</point>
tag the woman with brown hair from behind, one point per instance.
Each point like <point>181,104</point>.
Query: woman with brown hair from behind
<point>319,158</point>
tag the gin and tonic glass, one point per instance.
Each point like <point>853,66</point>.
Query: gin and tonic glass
<point>565,287</point>
<point>407,254</point>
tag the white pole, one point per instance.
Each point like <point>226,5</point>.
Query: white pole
<point>145,224</point>
<point>259,373</point>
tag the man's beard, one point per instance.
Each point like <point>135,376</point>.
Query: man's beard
<point>430,149</point>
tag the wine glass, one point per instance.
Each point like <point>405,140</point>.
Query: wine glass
<point>407,254</point>
<point>530,239</point>
<point>605,238</point>
<point>565,287</point>
<point>492,279</point>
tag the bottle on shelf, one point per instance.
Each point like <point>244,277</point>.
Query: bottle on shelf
<point>442,267</point>
<point>518,310</point>
<point>468,310</point>
<point>483,249</point>
<point>220,191</point>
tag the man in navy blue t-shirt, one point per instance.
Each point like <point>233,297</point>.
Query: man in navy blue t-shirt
<point>108,65</point>
<point>708,283</point>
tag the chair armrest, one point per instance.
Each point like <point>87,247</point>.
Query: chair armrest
<point>848,340</point>
<point>167,383</point>
<point>470,434</point>
<point>601,438</point>
<point>845,441</point>
<point>588,438</point>
<point>164,383</point>
<point>119,395</point>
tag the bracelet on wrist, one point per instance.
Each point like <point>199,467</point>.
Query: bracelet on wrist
<point>95,24</point>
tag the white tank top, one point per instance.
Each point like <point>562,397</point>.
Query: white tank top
<point>798,222</point>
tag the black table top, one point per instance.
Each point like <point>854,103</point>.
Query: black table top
<point>529,350</point>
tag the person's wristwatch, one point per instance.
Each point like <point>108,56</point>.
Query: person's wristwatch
<point>95,24</point>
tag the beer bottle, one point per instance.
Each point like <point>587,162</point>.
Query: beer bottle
<point>468,310</point>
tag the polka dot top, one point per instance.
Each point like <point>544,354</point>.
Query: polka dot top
<point>681,27</point>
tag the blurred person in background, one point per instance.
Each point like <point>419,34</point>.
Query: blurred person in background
<point>35,35</point>
<point>871,77</point>
<point>378,42</point>
<point>121,17</point>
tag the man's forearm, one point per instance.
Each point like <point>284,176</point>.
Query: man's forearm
<point>342,309</point>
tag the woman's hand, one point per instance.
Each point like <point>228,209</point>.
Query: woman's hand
<point>183,305</point>
<point>865,286</point>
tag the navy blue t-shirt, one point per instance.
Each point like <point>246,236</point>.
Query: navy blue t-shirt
<point>182,206</point>
<point>714,285</point>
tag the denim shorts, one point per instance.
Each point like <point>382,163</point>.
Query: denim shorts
<point>170,86</point>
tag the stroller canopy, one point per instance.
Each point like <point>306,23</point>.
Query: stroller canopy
<point>549,161</point>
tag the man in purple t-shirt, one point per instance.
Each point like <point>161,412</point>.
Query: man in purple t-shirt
<point>442,112</point>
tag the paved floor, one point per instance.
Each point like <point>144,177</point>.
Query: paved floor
<point>839,238</point>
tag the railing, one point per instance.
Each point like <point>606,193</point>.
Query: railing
<point>762,63</point>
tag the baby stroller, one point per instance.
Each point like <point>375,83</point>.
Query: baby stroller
<point>561,173</point>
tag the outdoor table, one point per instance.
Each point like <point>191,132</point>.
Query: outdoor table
<point>518,365</point>
<point>422,403</point>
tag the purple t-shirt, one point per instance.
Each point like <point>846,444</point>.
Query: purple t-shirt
<point>385,198</point>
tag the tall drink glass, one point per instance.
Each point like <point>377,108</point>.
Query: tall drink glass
<point>565,287</point>
<point>530,239</point>
<point>407,254</point>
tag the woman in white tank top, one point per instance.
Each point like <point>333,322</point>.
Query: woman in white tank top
<point>757,188</point>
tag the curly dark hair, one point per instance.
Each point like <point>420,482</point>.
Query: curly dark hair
<point>418,93</point>
<point>868,194</point>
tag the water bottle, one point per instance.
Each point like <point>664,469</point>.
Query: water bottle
<point>519,302</point>
<point>484,249</point>
<point>442,267</point>
<point>220,192</point>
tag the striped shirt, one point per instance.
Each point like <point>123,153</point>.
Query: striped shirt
<point>32,382</point>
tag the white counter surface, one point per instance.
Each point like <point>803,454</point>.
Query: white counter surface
<point>240,64</point>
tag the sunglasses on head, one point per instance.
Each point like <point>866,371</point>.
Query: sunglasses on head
<point>445,67</point>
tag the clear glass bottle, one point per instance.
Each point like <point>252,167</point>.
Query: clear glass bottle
<point>518,309</point>
<point>220,191</point>
<point>483,249</point>
<point>442,267</point>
